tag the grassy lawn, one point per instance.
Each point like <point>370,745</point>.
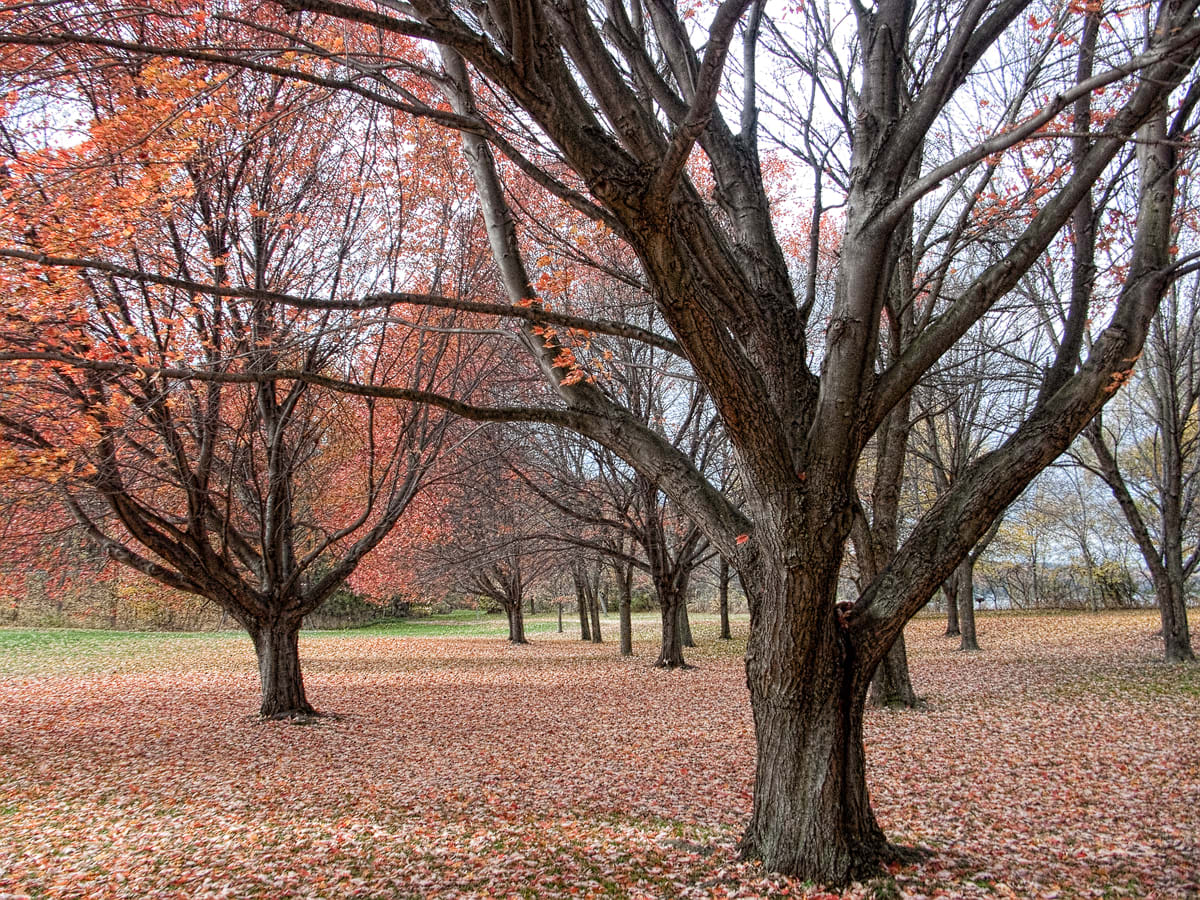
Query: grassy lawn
<point>1062,761</point>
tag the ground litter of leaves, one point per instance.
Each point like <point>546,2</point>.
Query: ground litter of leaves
<point>1063,761</point>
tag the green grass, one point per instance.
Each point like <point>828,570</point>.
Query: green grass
<point>28,651</point>
<point>75,651</point>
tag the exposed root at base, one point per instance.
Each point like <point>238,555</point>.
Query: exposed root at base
<point>869,862</point>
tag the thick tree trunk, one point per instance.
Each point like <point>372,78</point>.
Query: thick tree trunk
<point>965,576</point>
<point>277,645</point>
<point>685,625</point>
<point>670,654</point>
<point>516,622</point>
<point>723,601</point>
<point>1173,611</point>
<point>811,815</point>
<point>892,684</point>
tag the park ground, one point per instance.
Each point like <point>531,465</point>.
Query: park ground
<point>1062,761</point>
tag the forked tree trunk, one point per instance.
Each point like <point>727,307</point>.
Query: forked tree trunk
<point>965,576</point>
<point>723,598</point>
<point>811,812</point>
<point>685,626</point>
<point>277,646</point>
<point>892,684</point>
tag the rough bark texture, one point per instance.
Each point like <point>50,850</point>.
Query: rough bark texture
<point>277,646</point>
<point>1173,611</point>
<point>670,653</point>
<point>811,809</point>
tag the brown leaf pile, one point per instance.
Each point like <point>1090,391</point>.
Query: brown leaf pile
<point>1063,761</point>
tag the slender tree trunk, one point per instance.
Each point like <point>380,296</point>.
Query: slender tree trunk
<point>594,609</point>
<point>585,633</point>
<point>277,645</point>
<point>685,625</point>
<point>1166,568</point>
<point>560,606</point>
<point>811,812</point>
<point>670,654</point>
<point>965,576</point>
<point>625,578</point>
<point>892,684</point>
<point>723,600</point>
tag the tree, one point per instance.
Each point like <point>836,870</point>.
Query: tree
<point>492,543</point>
<point>1147,454</point>
<point>605,108</point>
<point>259,493</point>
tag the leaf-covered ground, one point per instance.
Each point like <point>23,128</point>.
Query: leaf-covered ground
<point>1063,761</point>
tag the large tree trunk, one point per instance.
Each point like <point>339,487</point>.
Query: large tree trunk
<point>516,622</point>
<point>277,645</point>
<point>892,684</point>
<point>965,576</point>
<point>723,601</point>
<point>670,654</point>
<point>811,812</point>
<point>1173,612</point>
